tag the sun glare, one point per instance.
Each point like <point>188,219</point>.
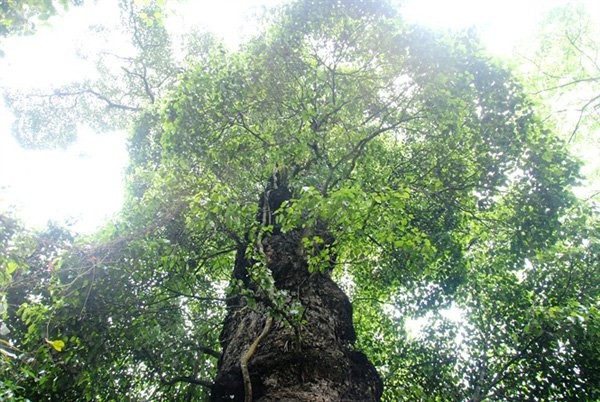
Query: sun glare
<point>80,185</point>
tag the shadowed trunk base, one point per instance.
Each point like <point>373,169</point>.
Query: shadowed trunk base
<point>316,361</point>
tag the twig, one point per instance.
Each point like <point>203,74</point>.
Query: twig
<point>581,114</point>
<point>567,84</point>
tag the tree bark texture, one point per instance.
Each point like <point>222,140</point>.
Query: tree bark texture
<point>314,361</point>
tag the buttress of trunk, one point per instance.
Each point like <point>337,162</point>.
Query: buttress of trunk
<point>313,362</point>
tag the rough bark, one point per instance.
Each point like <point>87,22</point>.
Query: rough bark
<point>314,361</point>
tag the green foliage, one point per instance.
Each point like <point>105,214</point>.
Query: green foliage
<point>420,174</point>
<point>125,83</point>
<point>563,72</point>
<point>19,16</point>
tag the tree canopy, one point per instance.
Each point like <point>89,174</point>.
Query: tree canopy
<point>563,71</point>
<point>20,16</point>
<point>447,199</point>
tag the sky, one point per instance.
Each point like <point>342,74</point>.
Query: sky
<point>83,185</point>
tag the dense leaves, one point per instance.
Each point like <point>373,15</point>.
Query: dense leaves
<point>447,201</point>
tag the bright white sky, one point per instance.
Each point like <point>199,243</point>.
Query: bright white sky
<point>84,184</point>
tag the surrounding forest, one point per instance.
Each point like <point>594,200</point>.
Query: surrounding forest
<point>347,207</point>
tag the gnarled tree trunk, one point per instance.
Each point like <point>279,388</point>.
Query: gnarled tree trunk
<point>314,361</point>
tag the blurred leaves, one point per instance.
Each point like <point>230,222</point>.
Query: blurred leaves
<point>21,16</point>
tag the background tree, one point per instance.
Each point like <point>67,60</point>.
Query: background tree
<point>20,16</point>
<point>563,71</point>
<point>127,79</point>
<point>420,179</point>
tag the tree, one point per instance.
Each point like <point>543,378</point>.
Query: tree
<point>339,149</point>
<point>563,70</point>
<point>19,16</point>
<point>569,34</point>
<point>127,80</point>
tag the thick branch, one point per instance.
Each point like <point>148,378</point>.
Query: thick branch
<point>190,380</point>
<point>208,351</point>
<point>110,103</point>
<point>88,91</point>
<point>144,79</point>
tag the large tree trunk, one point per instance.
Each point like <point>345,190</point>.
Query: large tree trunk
<point>314,361</point>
